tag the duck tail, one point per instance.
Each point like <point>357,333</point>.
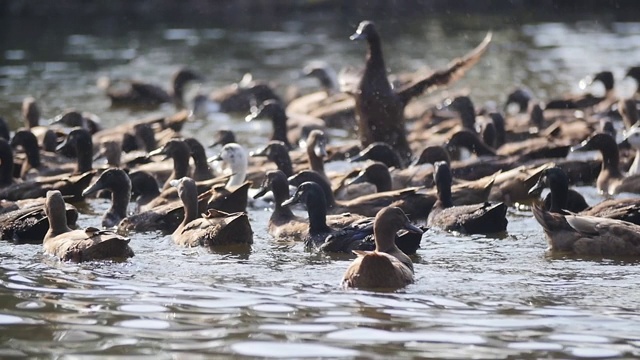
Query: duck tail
<point>549,221</point>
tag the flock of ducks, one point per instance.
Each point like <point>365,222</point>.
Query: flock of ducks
<point>453,167</point>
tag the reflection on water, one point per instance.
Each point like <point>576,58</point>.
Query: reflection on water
<point>474,296</point>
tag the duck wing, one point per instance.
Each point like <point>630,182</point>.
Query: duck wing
<point>454,71</point>
<point>149,93</point>
<point>619,209</point>
<point>376,270</point>
<point>605,237</point>
<point>92,244</point>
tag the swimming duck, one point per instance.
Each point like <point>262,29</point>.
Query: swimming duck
<point>288,128</point>
<point>118,183</point>
<point>140,94</point>
<point>215,228</point>
<point>283,224</point>
<point>380,108</point>
<point>144,187</point>
<point>586,100</point>
<point>179,152</point>
<point>588,235</point>
<point>71,185</point>
<point>483,218</point>
<point>79,245</point>
<point>202,170</point>
<point>610,180</point>
<point>355,236</point>
<point>277,152</point>
<point>560,198</point>
<point>329,104</point>
<point>387,267</point>
<point>29,143</point>
<point>632,136</point>
<point>28,223</point>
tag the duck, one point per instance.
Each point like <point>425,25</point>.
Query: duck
<point>79,245</point>
<point>379,107</point>
<point>223,137</point>
<point>560,197</point>
<point>632,137</point>
<point>202,170</point>
<point>387,267</point>
<point>288,128</point>
<point>179,152</point>
<point>277,152</point>
<point>381,152</point>
<point>329,104</point>
<point>73,118</point>
<point>79,143</point>
<point>562,200</point>
<point>610,180</point>
<point>485,218</point>
<point>28,222</point>
<point>141,94</point>
<point>586,100</point>
<point>316,149</point>
<point>240,97</point>
<point>117,181</point>
<point>144,187</point>
<point>354,236</point>
<point>34,163</point>
<point>70,185</point>
<point>588,235</point>
<point>628,110</point>
<point>215,228</point>
<point>283,224</point>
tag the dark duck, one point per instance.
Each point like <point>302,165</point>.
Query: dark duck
<point>379,107</point>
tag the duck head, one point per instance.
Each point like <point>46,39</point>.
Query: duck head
<point>379,151</point>
<point>143,184</point>
<point>470,140</point>
<point>464,107</point>
<point>366,31</point>
<point>196,149</point>
<point>376,174</point>
<point>519,97</point>
<point>54,208</point>
<point>276,181</point>
<point>308,193</point>
<point>387,223</point>
<point>30,112</point>
<point>274,110</point>
<point>188,193</point>
<point>29,143</point>
<point>235,157</point>
<point>312,176</point>
<point>277,152</point>
<point>432,154</point>
<point>145,137</point>
<point>172,149</point>
<point>317,141</point>
<point>324,73</point>
<point>443,179</point>
<point>223,137</point>
<point>79,143</point>
<point>606,78</point>
<point>112,179</point>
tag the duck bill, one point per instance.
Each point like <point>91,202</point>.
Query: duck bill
<point>360,179</point>
<point>320,150</point>
<point>158,151</point>
<point>584,146</point>
<point>259,153</point>
<point>357,158</point>
<point>537,188</point>
<point>175,182</point>
<point>215,143</point>
<point>93,188</point>
<point>357,36</point>
<point>410,227</point>
<point>263,190</point>
<point>293,200</point>
<point>214,158</point>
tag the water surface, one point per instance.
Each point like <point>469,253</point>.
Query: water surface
<point>474,297</point>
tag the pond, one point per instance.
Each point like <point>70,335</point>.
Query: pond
<point>474,297</point>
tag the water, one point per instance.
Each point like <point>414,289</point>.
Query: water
<point>474,297</point>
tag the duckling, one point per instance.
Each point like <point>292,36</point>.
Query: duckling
<point>610,180</point>
<point>484,218</point>
<point>202,170</point>
<point>387,267</point>
<point>28,223</point>
<point>288,128</point>
<point>141,94</point>
<point>380,108</point>
<point>283,224</point>
<point>588,235</point>
<point>179,152</point>
<point>118,183</point>
<point>216,228</point>
<point>79,245</point>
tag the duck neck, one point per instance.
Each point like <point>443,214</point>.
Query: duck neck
<point>444,195</point>
<point>315,162</point>
<point>280,189</point>
<point>32,152</point>
<point>84,153</point>
<point>375,58</point>
<point>283,162</point>
<point>120,197</point>
<point>317,209</point>
<point>559,197</point>
<point>57,223</point>
<point>239,171</point>
<point>382,181</point>
<point>190,202</point>
<point>635,166</point>
<point>279,121</point>
<point>200,162</point>
<point>385,239</point>
<point>6,168</point>
<point>180,165</point>
<point>611,162</point>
